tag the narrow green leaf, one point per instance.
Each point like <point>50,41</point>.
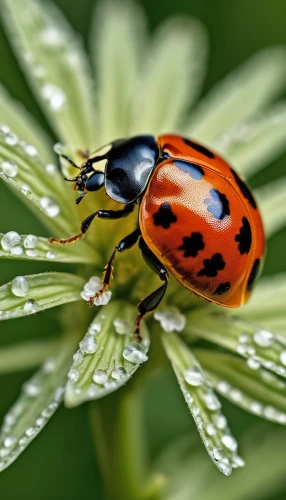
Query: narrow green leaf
<point>271,198</point>
<point>108,355</point>
<point>25,355</point>
<point>118,38</point>
<point>167,92</point>
<point>271,292</point>
<point>240,95</point>
<point>26,295</point>
<point>203,404</point>
<point>39,399</point>
<point>38,248</point>
<point>255,143</point>
<point>40,185</point>
<point>54,61</point>
<point>17,118</point>
<point>248,386</point>
<point>253,343</point>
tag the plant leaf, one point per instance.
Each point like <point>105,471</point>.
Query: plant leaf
<point>39,399</point>
<point>38,248</point>
<point>41,186</point>
<point>271,199</point>
<point>253,389</point>
<point>271,292</point>
<point>168,91</point>
<point>240,95</point>
<point>17,118</point>
<point>38,292</point>
<point>53,59</point>
<point>253,144</point>
<point>100,367</point>
<point>24,355</point>
<point>242,337</point>
<point>118,37</point>
<point>203,404</point>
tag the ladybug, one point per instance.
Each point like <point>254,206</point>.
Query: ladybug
<point>197,218</point>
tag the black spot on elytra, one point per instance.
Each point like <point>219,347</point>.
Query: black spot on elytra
<point>244,237</point>
<point>195,171</point>
<point>212,266</point>
<point>164,217</point>
<point>253,274</point>
<point>222,288</point>
<point>218,204</point>
<point>244,189</point>
<point>192,245</point>
<point>198,147</point>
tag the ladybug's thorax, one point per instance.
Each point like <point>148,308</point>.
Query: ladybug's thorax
<point>130,163</point>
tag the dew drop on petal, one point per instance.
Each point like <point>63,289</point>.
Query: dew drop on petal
<point>31,389</point>
<point>26,190</point>
<point>54,95</point>
<point>211,401</point>
<point>88,345</point>
<point>51,169</point>
<point>171,319</point>
<point>94,328</point>
<point>78,357</point>
<point>32,252</point>
<point>10,441</point>
<point>119,373</point>
<point>11,139</point>
<point>220,421</point>
<point>122,326</point>
<point>20,286</point>
<point>194,376</point>
<point>31,150</point>
<point>30,432</point>
<point>100,377</point>
<point>210,429</point>
<point>31,306</point>
<point>9,168</point>
<point>10,239</point>
<point>135,353</point>
<point>17,251</point>
<point>50,207</point>
<point>51,37</point>
<point>253,363</point>
<point>30,241</point>
<point>73,375</point>
<point>225,467</point>
<point>229,442</point>
<point>51,255</point>
<point>256,407</point>
<point>238,461</point>
<point>263,338</point>
<point>58,148</point>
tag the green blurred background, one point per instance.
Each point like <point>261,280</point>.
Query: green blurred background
<point>236,31</point>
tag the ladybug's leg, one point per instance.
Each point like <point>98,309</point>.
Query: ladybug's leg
<point>153,300</point>
<point>126,243</point>
<point>101,214</point>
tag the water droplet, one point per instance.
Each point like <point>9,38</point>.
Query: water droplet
<point>26,190</point>
<point>32,252</point>
<point>253,363</point>
<point>110,384</point>
<point>243,338</point>
<point>30,432</point>
<point>229,442</point>
<point>9,168</point>
<point>73,375</point>
<point>211,401</point>
<point>223,387</point>
<point>23,441</point>
<point>30,241</point>
<point>236,395</point>
<point>10,441</point>
<point>11,139</point>
<point>210,429</point>
<point>263,338</point>
<point>218,454</point>
<point>119,373</point>
<point>256,407</point>
<point>237,461</point>
<point>39,70</point>
<point>4,129</point>
<point>54,95</point>
<point>270,413</point>
<point>49,205</point>
<point>58,395</point>
<point>171,319</point>
<point>58,148</point>
<point>194,376</point>
<point>51,37</point>
<point>225,467</point>
<point>20,286</point>
<point>220,421</point>
<point>49,365</point>
<point>31,150</point>
<point>283,358</point>
<point>100,377</point>
<point>78,357</point>
<point>134,352</point>
<point>40,421</point>
<point>17,251</point>
<point>10,239</point>
<point>94,328</point>
<point>122,326</point>
<point>88,345</point>
<point>31,306</point>
<point>51,255</point>
<point>51,169</point>
<point>31,388</point>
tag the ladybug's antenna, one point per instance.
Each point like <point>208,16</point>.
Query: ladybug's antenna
<point>69,180</point>
<point>70,161</point>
